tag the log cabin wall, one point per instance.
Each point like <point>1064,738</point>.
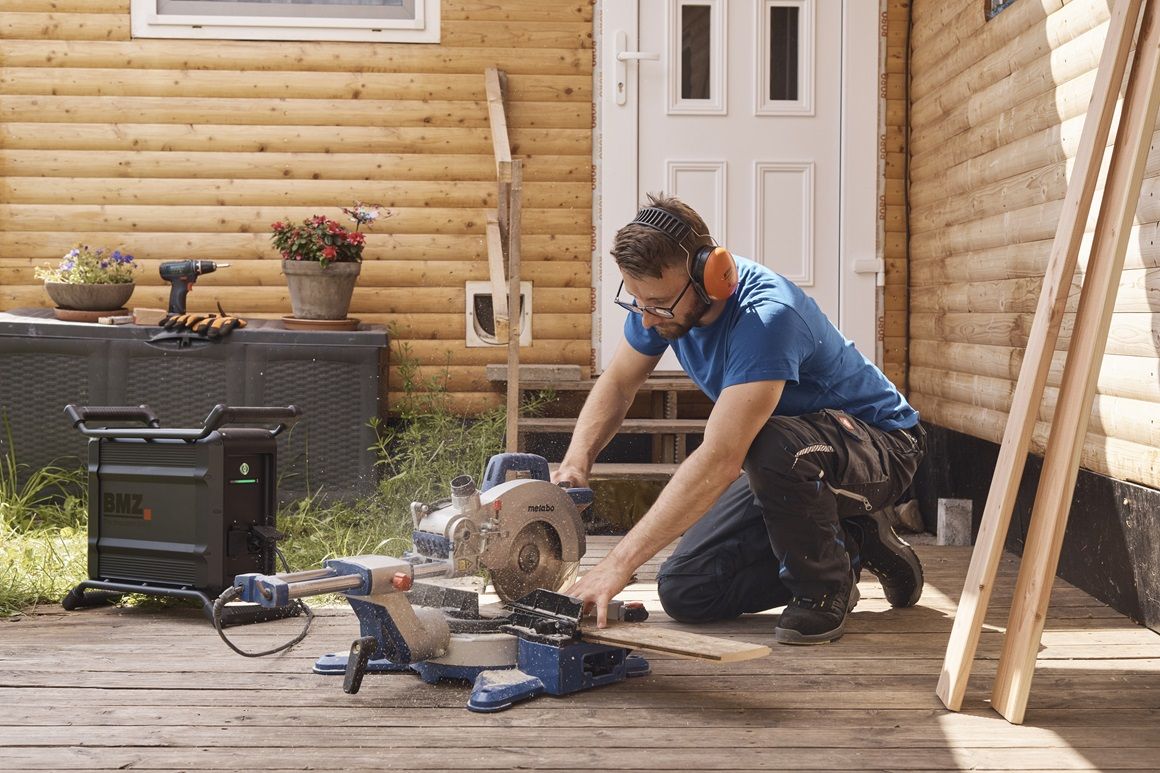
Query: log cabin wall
<point>896,18</point>
<point>995,117</point>
<point>177,149</point>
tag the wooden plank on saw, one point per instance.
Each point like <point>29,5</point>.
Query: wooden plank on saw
<point>1041,341</point>
<point>1085,353</point>
<point>638,636</point>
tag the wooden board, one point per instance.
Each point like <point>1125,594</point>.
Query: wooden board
<point>639,636</point>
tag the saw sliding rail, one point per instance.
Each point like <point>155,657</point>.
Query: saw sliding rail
<point>317,582</point>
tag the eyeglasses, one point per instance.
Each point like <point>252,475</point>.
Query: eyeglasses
<point>657,311</point>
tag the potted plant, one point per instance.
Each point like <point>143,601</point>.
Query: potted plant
<point>89,280</point>
<point>321,259</point>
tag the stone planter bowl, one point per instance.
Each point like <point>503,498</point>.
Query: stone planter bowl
<point>96,297</point>
<point>317,292</point>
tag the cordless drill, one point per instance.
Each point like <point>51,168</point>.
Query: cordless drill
<point>181,274</point>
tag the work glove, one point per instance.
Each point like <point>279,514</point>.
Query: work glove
<point>217,325</point>
<point>176,322</point>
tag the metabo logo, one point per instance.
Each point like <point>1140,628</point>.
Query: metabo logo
<point>125,506</point>
<point>541,508</point>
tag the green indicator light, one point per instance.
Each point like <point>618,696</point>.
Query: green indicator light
<point>245,480</point>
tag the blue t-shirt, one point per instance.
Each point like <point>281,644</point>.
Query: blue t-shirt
<point>772,331</point>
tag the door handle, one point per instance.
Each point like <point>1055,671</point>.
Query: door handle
<point>621,57</point>
<point>625,56</point>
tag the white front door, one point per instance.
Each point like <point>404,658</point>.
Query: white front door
<point>736,108</point>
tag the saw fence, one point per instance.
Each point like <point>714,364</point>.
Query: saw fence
<point>1133,23</point>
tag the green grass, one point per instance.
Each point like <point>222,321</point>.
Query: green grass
<point>43,520</point>
<point>42,531</point>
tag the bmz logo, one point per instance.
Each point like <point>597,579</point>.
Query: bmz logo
<point>125,506</point>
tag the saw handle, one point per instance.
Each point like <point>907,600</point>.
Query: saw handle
<point>361,650</point>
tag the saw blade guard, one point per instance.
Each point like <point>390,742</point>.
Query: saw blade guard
<point>538,537</point>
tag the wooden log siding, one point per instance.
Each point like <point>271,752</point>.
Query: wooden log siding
<point>996,115</point>
<point>893,204</point>
<point>176,149</point>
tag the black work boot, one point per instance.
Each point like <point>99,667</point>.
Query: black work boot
<point>817,620</point>
<point>888,557</point>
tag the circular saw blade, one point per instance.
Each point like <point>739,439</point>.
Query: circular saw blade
<point>534,562</point>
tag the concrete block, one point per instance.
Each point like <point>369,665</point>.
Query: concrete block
<point>954,521</point>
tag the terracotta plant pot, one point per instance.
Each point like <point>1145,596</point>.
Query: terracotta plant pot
<point>95,297</point>
<point>317,292</point>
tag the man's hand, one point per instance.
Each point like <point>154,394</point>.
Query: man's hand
<point>600,585</point>
<point>573,476</point>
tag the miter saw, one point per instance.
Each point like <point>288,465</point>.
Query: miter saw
<point>522,529</point>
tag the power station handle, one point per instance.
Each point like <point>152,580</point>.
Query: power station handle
<point>286,417</point>
<point>79,414</point>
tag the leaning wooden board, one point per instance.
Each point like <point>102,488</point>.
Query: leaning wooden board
<point>638,636</point>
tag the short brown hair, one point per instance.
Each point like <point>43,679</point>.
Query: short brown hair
<point>641,251</point>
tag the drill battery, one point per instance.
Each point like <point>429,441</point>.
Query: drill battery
<point>178,512</point>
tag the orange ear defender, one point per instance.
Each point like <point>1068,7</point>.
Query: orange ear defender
<point>711,267</point>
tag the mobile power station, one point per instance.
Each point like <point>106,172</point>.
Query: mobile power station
<point>180,512</point>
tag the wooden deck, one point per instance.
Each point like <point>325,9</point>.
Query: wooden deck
<point>156,690</point>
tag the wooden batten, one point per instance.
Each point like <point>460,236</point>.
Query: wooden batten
<point>192,149</point>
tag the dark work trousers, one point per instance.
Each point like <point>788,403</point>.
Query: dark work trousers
<point>776,532</point>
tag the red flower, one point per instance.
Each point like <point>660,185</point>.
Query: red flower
<point>329,253</point>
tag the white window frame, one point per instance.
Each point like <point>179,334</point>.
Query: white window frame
<point>804,104</point>
<point>421,26</point>
<point>716,104</point>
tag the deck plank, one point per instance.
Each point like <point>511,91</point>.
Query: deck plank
<point>154,689</point>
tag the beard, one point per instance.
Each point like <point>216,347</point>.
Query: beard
<point>678,326</point>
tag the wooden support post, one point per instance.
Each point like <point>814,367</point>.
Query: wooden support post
<point>1093,320</point>
<point>516,307</point>
<point>499,289</point>
<point>498,121</point>
<point>1028,394</point>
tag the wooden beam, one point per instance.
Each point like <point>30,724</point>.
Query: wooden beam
<point>1061,463</point>
<point>980,579</point>
<point>498,120</point>
<point>515,307</point>
<point>537,373</point>
<point>495,262</point>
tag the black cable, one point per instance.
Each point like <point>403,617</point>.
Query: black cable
<point>231,593</point>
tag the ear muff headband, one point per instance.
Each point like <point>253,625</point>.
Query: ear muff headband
<point>711,267</point>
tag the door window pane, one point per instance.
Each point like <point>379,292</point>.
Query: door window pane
<point>695,52</point>
<point>783,53</point>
